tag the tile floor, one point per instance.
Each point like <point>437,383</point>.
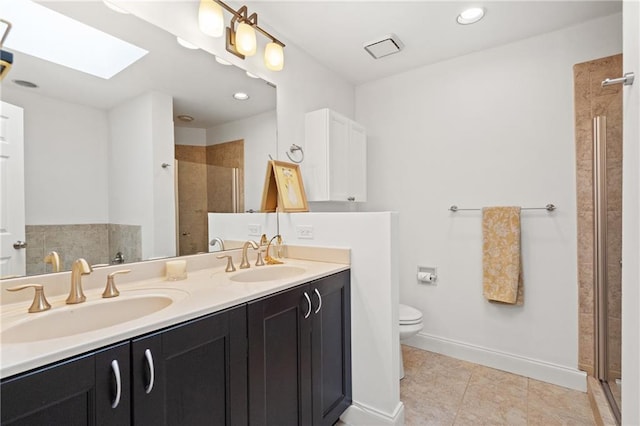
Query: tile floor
<point>438,390</point>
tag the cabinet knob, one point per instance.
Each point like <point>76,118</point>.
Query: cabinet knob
<point>351,199</point>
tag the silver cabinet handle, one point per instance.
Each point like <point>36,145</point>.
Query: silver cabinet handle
<point>319,301</point>
<point>116,373</point>
<point>351,198</point>
<point>152,372</point>
<point>309,302</point>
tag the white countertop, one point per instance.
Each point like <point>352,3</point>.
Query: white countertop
<point>204,291</point>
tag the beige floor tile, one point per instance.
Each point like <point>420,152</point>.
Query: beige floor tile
<point>438,390</point>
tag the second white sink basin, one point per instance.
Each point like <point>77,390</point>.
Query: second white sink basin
<point>85,317</point>
<point>267,273</point>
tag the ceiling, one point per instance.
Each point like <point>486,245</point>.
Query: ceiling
<point>334,32</point>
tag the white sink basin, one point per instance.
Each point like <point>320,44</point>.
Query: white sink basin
<point>85,317</point>
<point>267,273</point>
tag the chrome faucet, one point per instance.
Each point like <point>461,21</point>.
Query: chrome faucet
<point>219,241</point>
<point>245,262</point>
<point>80,267</point>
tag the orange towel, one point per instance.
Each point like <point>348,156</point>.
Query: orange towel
<point>501,257</point>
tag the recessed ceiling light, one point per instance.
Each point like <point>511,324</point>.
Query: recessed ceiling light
<point>222,61</point>
<point>252,75</point>
<point>186,118</point>
<point>86,49</point>
<point>240,96</point>
<point>184,43</point>
<point>470,16</point>
<point>25,83</point>
<point>114,7</point>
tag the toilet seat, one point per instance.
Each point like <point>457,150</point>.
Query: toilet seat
<point>409,315</point>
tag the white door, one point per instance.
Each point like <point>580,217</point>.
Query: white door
<point>12,232</point>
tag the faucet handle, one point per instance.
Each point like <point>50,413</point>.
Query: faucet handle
<point>40,302</point>
<point>230,267</point>
<point>259,261</point>
<point>110,290</point>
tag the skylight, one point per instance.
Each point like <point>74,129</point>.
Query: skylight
<point>41,32</point>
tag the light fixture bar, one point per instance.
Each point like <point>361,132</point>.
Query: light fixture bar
<point>248,20</point>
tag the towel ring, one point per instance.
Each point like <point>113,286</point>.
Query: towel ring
<point>293,148</point>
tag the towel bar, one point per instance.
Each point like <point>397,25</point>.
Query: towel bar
<point>548,207</point>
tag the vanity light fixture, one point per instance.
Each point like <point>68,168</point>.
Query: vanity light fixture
<point>470,16</point>
<point>240,96</point>
<point>241,32</point>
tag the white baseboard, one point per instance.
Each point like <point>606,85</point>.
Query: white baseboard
<point>528,367</point>
<point>361,415</point>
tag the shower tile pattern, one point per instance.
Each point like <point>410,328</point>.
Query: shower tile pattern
<point>438,390</point>
<point>591,100</point>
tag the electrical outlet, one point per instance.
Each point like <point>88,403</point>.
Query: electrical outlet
<point>255,230</point>
<point>304,232</point>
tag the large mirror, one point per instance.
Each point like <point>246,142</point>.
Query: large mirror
<point>127,168</point>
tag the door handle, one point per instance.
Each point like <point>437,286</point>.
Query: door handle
<point>19,245</point>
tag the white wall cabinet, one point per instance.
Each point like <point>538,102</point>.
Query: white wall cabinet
<point>335,165</point>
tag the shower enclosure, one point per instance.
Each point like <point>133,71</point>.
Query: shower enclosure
<point>599,195</point>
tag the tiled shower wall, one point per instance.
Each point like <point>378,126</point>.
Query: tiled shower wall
<point>204,185</point>
<point>592,100</point>
<point>97,243</point>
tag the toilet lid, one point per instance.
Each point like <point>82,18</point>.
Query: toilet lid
<point>409,315</point>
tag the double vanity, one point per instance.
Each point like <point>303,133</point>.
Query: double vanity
<point>264,345</point>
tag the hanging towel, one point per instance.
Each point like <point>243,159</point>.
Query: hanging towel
<point>501,258</point>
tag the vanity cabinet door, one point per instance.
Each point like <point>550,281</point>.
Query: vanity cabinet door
<point>280,358</point>
<point>79,391</point>
<point>200,373</point>
<point>331,347</point>
<point>300,354</point>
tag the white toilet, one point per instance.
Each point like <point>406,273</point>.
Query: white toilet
<point>410,324</point>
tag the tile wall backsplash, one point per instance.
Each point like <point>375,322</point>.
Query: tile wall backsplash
<point>97,243</point>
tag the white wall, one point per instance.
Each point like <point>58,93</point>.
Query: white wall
<point>259,134</point>
<point>490,128</point>
<point>141,191</point>
<point>631,220</point>
<point>372,238</point>
<point>65,148</point>
<point>190,136</point>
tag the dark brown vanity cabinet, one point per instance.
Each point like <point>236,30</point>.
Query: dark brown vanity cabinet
<point>86,390</point>
<point>300,354</point>
<point>191,374</point>
<point>281,360</point>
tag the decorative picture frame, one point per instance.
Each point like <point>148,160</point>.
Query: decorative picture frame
<point>283,188</point>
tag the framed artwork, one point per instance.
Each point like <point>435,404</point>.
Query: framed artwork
<point>283,188</point>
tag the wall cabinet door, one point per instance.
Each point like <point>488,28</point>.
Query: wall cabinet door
<point>335,165</point>
<point>300,354</point>
<point>199,373</point>
<point>80,391</point>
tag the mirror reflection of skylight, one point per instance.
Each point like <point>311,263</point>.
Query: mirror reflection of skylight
<point>41,32</point>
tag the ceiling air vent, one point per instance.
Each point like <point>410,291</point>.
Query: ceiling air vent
<point>384,46</point>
